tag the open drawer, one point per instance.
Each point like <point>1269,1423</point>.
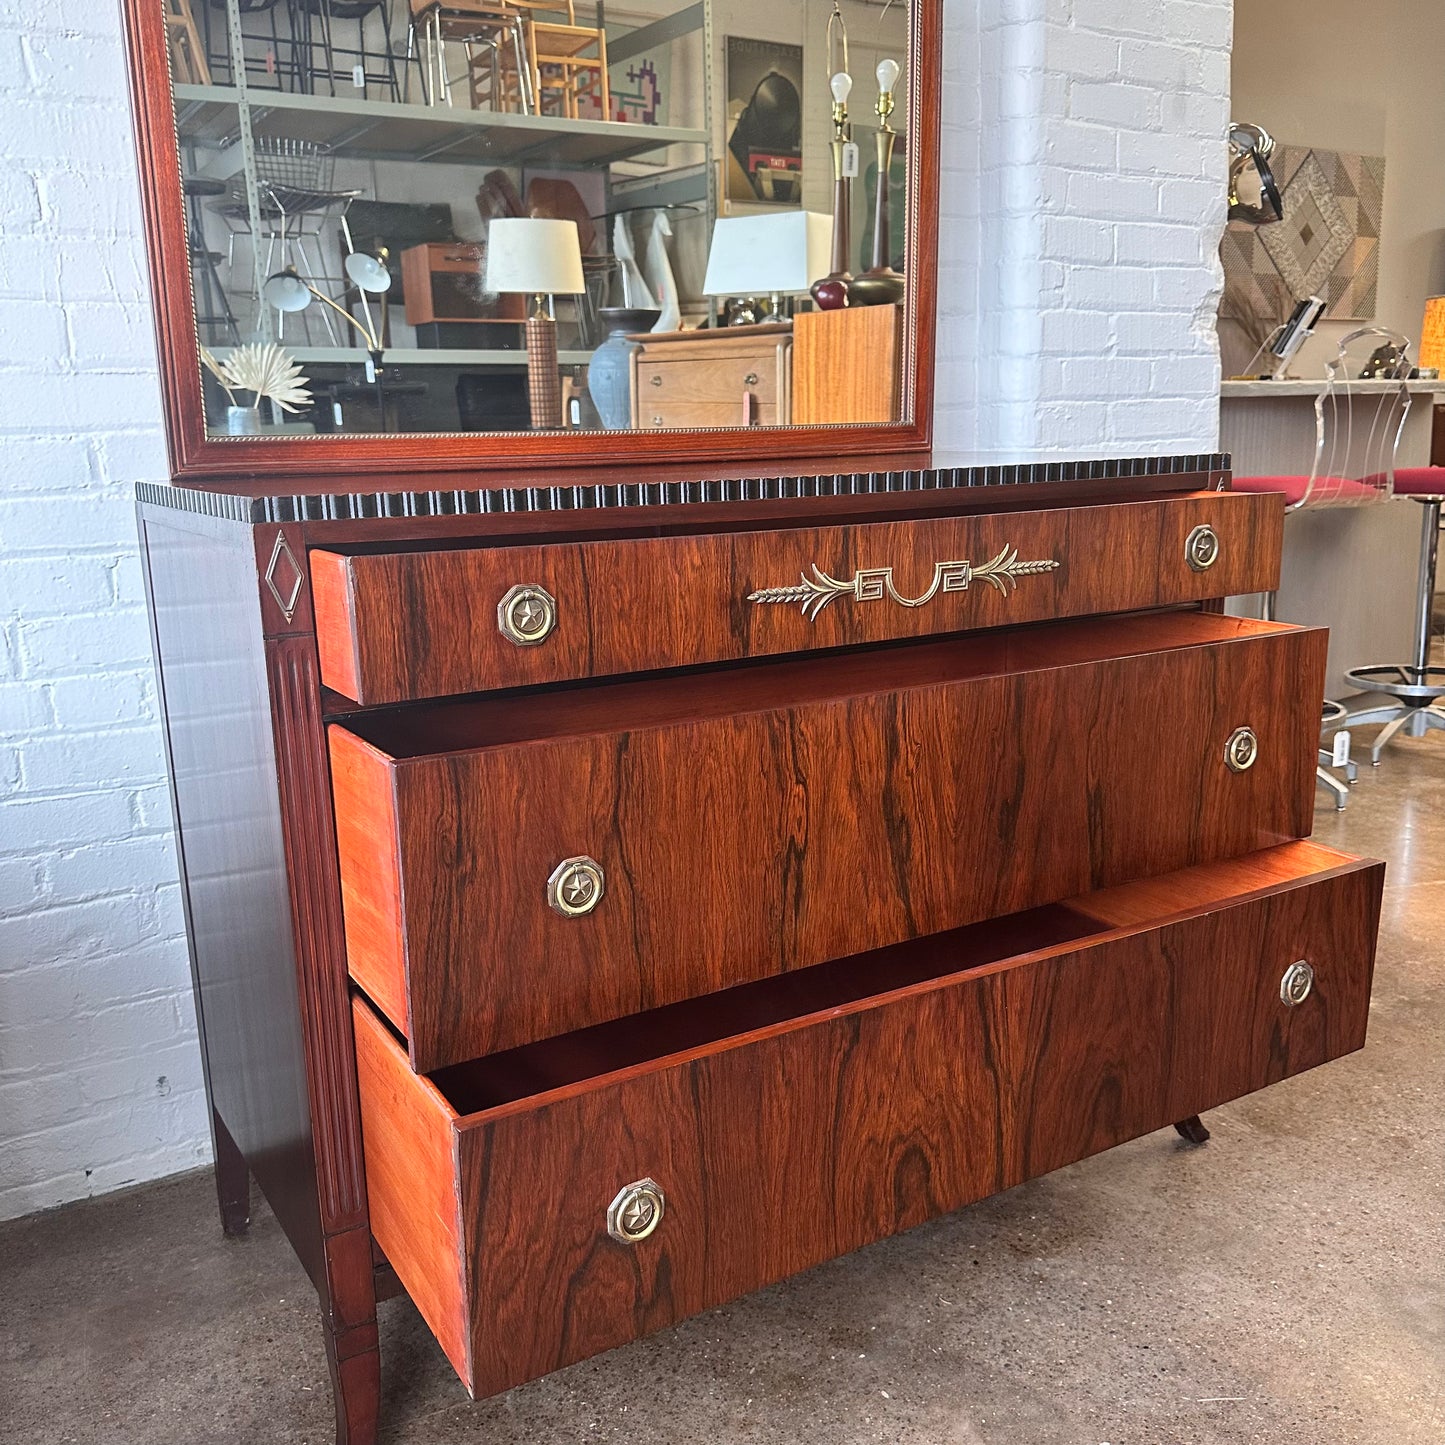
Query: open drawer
<point>402,624</point>
<point>561,1199</point>
<point>518,867</point>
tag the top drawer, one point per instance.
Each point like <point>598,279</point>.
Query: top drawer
<point>393,626</point>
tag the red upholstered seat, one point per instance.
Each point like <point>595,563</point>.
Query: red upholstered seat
<point>1420,482</point>
<point>1339,489</point>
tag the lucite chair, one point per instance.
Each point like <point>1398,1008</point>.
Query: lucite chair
<point>1359,418</point>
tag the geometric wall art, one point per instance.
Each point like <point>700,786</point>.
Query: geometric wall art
<point>1327,245</point>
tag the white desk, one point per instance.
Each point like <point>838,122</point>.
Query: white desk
<point>1351,569</point>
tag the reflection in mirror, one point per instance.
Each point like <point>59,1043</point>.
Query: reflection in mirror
<point>507,215</point>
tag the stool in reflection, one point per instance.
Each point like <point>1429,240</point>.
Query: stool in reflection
<point>188,53</point>
<point>320,53</point>
<point>493,41</point>
<point>212,306</point>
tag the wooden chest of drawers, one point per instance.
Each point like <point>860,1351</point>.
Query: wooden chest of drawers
<point>596,916</point>
<point>737,376</point>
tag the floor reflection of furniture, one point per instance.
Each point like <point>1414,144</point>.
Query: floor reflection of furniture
<point>1415,688</point>
<point>847,365</point>
<point>733,376</point>
<point>188,53</point>
<point>1332,556</point>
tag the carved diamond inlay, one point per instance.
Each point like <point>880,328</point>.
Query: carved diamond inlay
<point>284,577</point>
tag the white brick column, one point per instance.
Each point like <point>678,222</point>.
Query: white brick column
<point>99,1070</point>
<point>1078,318</point>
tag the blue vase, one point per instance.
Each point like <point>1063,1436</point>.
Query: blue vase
<point>609,373</point>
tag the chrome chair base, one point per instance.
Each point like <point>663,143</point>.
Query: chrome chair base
<point>1413,719</point>
<point>1333,716</point>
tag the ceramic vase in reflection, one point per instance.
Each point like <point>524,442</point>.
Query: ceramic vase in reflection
<point>609,373</point>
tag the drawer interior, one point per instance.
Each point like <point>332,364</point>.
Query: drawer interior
<point>892,1087</point>
<point>663,1037</point>
<point>502,720</point>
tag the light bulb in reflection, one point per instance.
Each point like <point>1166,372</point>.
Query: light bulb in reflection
<point>286,291</point>
<point>367,272</point>
<point>887,75</point>
<point>840,85</point>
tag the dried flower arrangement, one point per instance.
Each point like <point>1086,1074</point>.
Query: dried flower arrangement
<point>267,370</point>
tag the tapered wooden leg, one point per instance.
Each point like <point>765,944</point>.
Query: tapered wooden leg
<point>233,1180</point>
<point>1192,1129</point>
<point>355,1363</point>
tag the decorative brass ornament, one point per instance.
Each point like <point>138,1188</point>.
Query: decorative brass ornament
<point>1201,548</point>
<point>284,577</point>
<point>636,1211</point>
<point>1241,750</point>
<point>576,886</point>
<point>526,615</point>
<point>1295,986</point>
<point>873,583</point>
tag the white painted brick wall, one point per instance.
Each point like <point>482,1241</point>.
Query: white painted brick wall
<point>99,1072</point>
<point>1081,201</point>
<point>1081,223</point>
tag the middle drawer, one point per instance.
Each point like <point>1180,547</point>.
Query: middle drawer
<point>515,868</point>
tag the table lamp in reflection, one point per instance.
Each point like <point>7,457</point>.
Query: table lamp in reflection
<point>773,256</point>
<point>540,258</point>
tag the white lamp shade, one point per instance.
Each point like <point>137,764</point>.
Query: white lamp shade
<point>782,253</point>
<point>534,255</point>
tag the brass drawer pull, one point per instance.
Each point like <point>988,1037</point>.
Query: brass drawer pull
<point>636,1211</point>
<point>751,379</point>
<point>873,583</point>
<point>1241,751</point>
<point>576,886</point>
<point>526,615</point>
<point>1201,548</point>
<point>1295,986</point>
<point>654,380</point>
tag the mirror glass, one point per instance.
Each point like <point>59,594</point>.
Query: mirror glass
<point>444,216</point>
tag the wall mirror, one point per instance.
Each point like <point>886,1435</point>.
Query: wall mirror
<point>470,233</point>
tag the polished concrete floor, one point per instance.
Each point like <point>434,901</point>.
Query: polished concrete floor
<point>1280,1286</point>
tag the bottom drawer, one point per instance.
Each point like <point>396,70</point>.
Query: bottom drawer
<point>785,1122</point>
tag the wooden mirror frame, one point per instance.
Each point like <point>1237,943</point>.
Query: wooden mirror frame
<point>198,458</point>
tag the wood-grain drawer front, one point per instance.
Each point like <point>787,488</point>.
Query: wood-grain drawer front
<point>750,822</point>
<point>781,1140</point>
<point>657,413</point>
<point>724,380</point>
<point>414,624</point>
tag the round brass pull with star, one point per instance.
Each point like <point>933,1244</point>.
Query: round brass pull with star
<point>1241,751</point>
<point>576,886</point>
<point>636,1211</point>
<point>1201,548</point>
<point>526,615</point>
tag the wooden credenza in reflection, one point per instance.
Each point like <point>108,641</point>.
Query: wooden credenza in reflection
<point>606,902</point>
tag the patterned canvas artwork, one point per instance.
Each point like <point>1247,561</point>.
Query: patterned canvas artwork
<point>1327,245</point>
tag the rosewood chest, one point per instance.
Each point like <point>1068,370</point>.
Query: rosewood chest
<point>607,900</point>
